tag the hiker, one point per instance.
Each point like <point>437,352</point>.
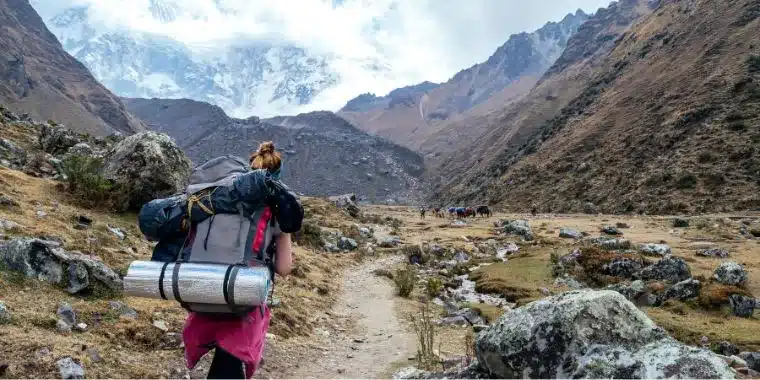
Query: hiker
<point>238,341</point>
<point>422,212</point>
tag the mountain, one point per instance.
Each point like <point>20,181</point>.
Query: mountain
<point>38,77</point>
<point>239,78</point>
<point>323,153</point>
<point>409,115</point>
<point>654,107</point>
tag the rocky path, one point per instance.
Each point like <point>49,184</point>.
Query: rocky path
<point>363,338</point>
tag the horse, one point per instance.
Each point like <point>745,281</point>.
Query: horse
<point>452,211</point>
<point>438,212</point>
<point>461,212</point>
<point>469,212</point>
<point>484,211</point>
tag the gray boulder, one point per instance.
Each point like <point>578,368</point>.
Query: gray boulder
<point>713,252</point>
<point>69,369</point>
<point>727,349</point>
<point>615,244</point>
<point>652,249</point>
<point>682,291</point>
<point>57,139</point>
<point>569,233</point>
<point>593,334</point>
<point>66,314</point>
<point>5,314</point>
<point>742,306</point>
<point>519,228</point>
<point>610,230</point>
<point>47,261</point>
<point>631,291</point>
<point>463,317</point>
<point>80,149</point>
<point>389,242</point>
<point>147,166</point>
<point>122,309</point>
<point>730,273</point>
<point>347,244</point>
<point>347,202</point>
<point>622,267</point>
<point>15,155</point>
<point>752,359</point>
<point>671,269</point>
<point>680,222</point>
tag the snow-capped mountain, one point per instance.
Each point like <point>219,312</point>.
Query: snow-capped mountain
<point>266,77</point>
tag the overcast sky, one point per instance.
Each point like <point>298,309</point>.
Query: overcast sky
<point>416,40</point>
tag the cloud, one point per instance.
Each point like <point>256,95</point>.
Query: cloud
<point>414,40</point>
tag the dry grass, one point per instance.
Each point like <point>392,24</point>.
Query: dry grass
<point>690,325</point>
<point>518,280</point>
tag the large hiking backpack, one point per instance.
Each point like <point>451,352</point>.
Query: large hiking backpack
<point>237,239</point>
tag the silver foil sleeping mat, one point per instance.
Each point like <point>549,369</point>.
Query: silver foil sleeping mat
<point>198,283</point>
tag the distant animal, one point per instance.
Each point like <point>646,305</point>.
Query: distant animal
<point>422,212</point>
<point>452,211</point>
<point>470,212</point>
<point>461,212</point>
<point>484,211</point>
<point>438,212</point>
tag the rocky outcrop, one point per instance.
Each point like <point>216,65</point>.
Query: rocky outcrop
<point>730,273</point>
<point>146,166</point>
<point>517,227</point>
<point>47,261</point>
<point>588,334</point>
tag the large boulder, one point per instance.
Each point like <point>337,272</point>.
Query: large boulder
<point>730,273</point>
<point>347,202</point>
<point>57,139</point>
<point>653,249</point>
<point>591,334</point>
<point>147,166</point>
<point>671,269</point>
<point>519,228</point>
<point>47,261</point>
<point>682,291</point>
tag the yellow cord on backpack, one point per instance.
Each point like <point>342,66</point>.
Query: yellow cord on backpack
<point>198,198</point>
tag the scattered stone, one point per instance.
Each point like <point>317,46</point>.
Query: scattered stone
<point>609,230</point>
<point>347,202</point>
<point>8,225</point>
<point>682,291</point>
<point>118,232</point>
<point>463,317</point>
<point>94,355</point>
<point>622,267</point>
<point>742,306</point>
<point>459,223</point>
<point>752,359</point>
<point>365,232</point>
<point>568,233</point>
<point>41,214</point>
<point>62,327</point>
<point>615,244</point>
<point>67,314</point>
<point>347,244</point>
<point>622,225</point>
<point>507,250</point>
<point>653,249</point>
<point>730,273</point>
<point>330,247</point>
<point>389,242</point>
<point>713,252</point>
<point>161,325</point>
<point>271,336</point>
<point>69,369</point>
<point>461,257</point>
<point>680,223</point>
<point>568,281</point>
<point>727,348</point>
<point>5,314</point>
<point>78,277</point>
<point>519,228</point>
<point>81,326</point>
<point>671,269</point>
<point>631,291</point>
<point>123,310</point>
<point>8,202</point>
<point>437,250</point>
<point>588,334</point>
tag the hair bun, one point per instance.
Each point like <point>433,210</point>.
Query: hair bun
<point>266,148</point>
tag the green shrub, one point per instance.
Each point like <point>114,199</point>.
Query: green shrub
<point>86,182</point>
<point>686,181</point>
<point>753,63</point>
<point>433,287</point>
<point>405,280</point>
<point>424,328</point>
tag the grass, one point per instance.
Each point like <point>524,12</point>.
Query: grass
<point>689,325</point>
<point>490,313</point>
<point>423,324</point>
<point>310,235</point>
<point>518,280</point>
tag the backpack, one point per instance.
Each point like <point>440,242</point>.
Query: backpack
<point>239,239</point>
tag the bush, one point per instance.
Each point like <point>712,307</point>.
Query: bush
<point>310,235</point>
<point>405,280</point>
<point>686,181</point>
<point>86,182</point>
<point>424,327</point>
<point>753,63</point>
<point>433,287</point>
<point>414,254</point>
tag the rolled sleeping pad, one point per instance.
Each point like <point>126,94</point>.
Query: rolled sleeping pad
<point>198,283</point>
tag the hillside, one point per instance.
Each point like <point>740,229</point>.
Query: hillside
<point>39,78</point>
<point>324,154</point>
<point>409,115</point>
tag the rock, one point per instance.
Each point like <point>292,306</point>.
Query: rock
<point>730,273</point>
<point>331,247</point>
<point>347,202</point>
<point>437,250</point>
<point>568,233</point>
<point>41,214</point>
<point>609,230</point>
<point>622,225</point>
<point>464,317</point>
<point>8,203</point>
<point>568,281</point>
<point>78,277</point>
<point>653,249</point>
<point>713,252</point>
<point>94,355</point>
<point>146,166</point>
<point>118,232</point>
<point>507,250</point>
<point>62,327</point>
<point>742,306</point>
<point>517,227</point>
<point>588,334</point>
<point>69,369</point>
<point>56,139</point>
<point>752,359</point>
<point>123,310</point>
<point>615,244</point>
<point>631,291</point>
<point>365,232</point>
<point>5,314</point>
<point>727,349</point>
<point>347,244</point>
<point>389,242</point>
<point>80,149</point>
<point>622,267</point>
<point>7,225</point>
<point>81,326</point>
<point>459,223</point>
<point>682,291</point>
<point>161,325</point>
<point>47,261</point>
<point>671,269</point>
<point>461,257</point>
<point>680,223</point>
<point>66,314</point>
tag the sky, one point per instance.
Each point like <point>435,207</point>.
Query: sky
<point>415,40</point>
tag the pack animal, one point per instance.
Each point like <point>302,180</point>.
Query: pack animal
<point>484,211</point>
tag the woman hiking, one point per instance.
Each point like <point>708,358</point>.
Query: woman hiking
<point>238,343</point>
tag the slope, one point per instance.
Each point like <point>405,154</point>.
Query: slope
<point>666,122</point>
<point>323,153</point>
<point>38,77</point>
<point>408,115</point>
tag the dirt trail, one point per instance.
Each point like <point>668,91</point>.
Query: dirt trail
<point>365,336</point>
